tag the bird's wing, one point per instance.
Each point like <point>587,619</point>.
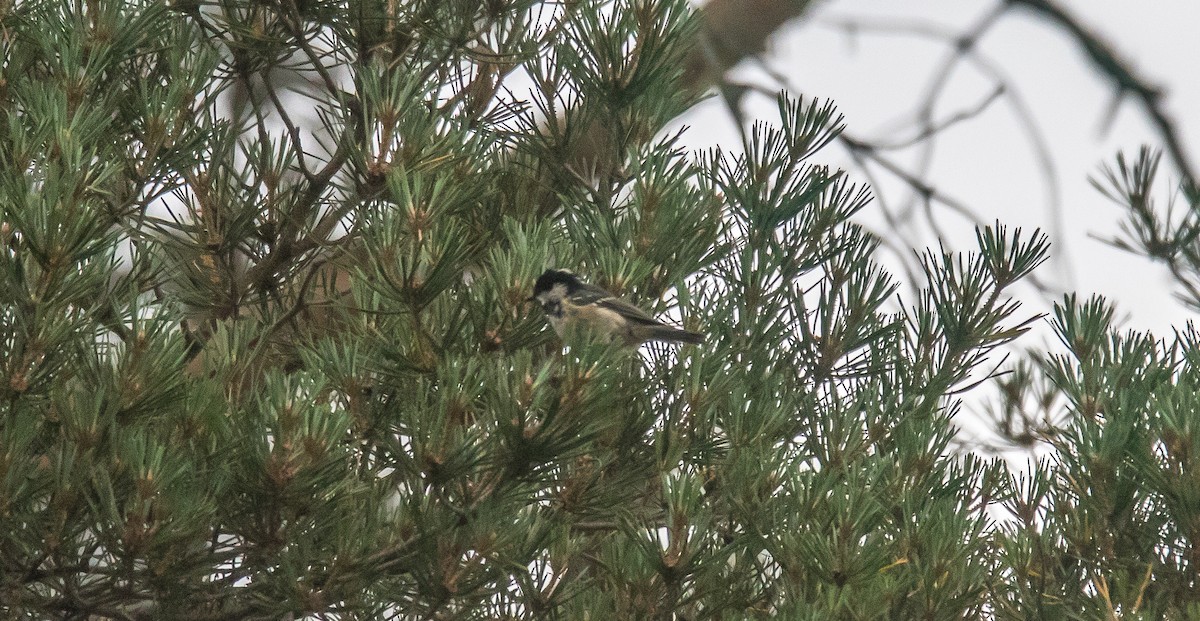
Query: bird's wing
<point>591,294</point>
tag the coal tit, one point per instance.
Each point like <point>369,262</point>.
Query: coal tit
<point>568,301</point>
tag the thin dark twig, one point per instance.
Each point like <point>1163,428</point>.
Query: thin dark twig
<point>964,46</point>
<point>292,130</point>
<point>933,129</point>
<point>1045,162</point>
<point>1123,76</point>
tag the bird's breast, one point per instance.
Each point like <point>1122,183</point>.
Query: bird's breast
<point>598,318</point>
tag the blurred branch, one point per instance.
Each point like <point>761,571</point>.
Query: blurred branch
<point>960,46</point>
<point>730,31</point>
<point>733,30</point>
<point>936,127</point>
<point>1123,76</point>
<point>928,128</point>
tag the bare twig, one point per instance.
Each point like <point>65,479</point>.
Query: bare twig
<point>1123,76</point>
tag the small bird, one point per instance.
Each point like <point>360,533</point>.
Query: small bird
<point>567,300</point>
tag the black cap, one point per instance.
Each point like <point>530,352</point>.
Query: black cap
<point>552,277</point>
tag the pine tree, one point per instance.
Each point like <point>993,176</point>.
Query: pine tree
<point>1105,525</point>
<point>265,350</point>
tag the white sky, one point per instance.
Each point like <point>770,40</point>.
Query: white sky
<point>877,78</point>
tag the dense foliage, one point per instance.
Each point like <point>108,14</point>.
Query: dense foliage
<point>265,351</point>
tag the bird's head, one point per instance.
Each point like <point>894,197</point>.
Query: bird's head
<point>553,285</point>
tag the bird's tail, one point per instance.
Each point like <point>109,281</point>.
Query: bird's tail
<point>667,333</point>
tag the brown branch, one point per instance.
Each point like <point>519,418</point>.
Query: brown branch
<point>1123,76</point>
<point>732,30</point>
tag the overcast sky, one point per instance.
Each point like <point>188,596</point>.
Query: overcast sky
<point>877,77</point>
